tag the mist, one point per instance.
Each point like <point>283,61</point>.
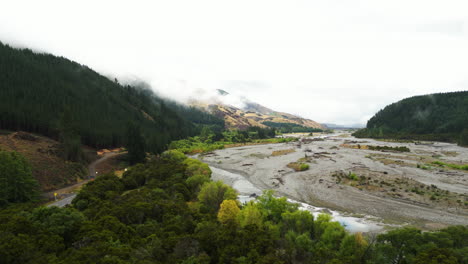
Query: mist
<point>333,61</point>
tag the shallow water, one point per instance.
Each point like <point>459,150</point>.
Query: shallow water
<point>246,188</point>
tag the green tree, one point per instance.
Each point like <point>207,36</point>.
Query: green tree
<point>250,215</point>
<point>212,194</point>
<point>435,256</point>
<point>273,207</point>
<point>463,141</point>
<point>64,222</point>
<point>135,144</point>
<point>69,137</point>
<point>207,135</point>
<point>16,181</point>
<point>352,248</point>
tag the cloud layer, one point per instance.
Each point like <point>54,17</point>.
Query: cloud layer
<point>332,61</point>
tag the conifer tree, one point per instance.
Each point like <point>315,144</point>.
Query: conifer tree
<point>135,144</point>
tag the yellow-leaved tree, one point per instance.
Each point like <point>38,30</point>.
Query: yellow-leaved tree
<point>228,212</point>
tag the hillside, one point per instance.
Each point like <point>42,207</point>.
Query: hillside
<point>49,168</point>
<point>49,95</point>
<point>442,117</point>
<point>253,114</point>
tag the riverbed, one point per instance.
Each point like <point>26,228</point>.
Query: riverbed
<point>246,190</point>
<point>386,199</point>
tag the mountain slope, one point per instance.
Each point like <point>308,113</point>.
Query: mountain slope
<point>37,89</point>
<point>442,116</point>
<point>251,114</point>
<point>49,167</point>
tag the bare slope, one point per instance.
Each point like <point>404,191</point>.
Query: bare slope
<point>50,170</point>
<point>250,114</point>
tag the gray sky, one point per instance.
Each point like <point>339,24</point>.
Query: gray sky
<point>335,61</point>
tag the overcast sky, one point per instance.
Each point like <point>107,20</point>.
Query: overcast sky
<point>335,61</point>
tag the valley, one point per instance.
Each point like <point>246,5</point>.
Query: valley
<point>414,187</point>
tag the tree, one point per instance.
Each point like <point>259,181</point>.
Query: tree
<point>207,135</point>
<point>250,215</point>
<point>135,144</point>
<point>353,248</point>
<point>212,194</point>
<point>273,207</point>
<point>463,141</point>
<point>436,256</point>
<point>298,221</point>
<point>16,181</point>
<point>64,222</point>
<point>69,137</point>
<point>228,212</point>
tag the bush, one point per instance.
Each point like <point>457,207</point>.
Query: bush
<point>352,176</point>
<point>304,167</point>
<point>297,166</point>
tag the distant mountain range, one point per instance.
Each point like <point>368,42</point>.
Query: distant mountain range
<point>250,113</point>
<point>336,126</point>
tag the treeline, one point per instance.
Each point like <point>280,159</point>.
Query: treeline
<point>438,117</point>
<point>211,139</point>
<point>290,127</point>
<point>59,98</point>
<point>169,211</point>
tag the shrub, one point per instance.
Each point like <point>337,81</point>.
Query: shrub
<point>297,166</point>
<point>352,176</point>
<point>304,167</point>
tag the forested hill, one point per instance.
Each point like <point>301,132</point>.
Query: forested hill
<point>45,94</point>
<point>442,116</point>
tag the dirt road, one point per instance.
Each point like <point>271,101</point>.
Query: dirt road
<point>68,193</point>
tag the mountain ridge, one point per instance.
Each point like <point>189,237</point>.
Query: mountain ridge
<point>249,113</point>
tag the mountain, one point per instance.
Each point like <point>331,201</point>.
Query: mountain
<point>441,117</point>
<point>50,95</point>
<point>249,113</point>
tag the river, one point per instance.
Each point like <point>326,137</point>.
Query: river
<point>246,189</point>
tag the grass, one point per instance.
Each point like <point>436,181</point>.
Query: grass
<point>297,166</point>
<point>451,165</point>
<point>450,153</point>
<point>423,167</point>
<point>194,146</point>
<point>282,152</point>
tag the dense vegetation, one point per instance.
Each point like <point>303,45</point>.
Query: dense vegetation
<point>210,140</point>
<point>388,148</point>
<point>291,127</point>
<point>56,97</point>
<point>169,211</point>
<point>441,117</point>
<point>16,181</point>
